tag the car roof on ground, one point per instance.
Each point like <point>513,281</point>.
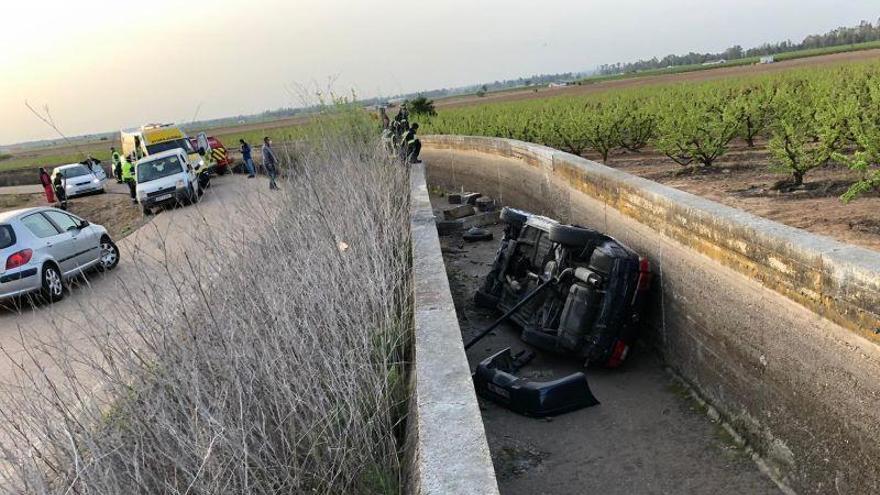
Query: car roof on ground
<point>9,215</point>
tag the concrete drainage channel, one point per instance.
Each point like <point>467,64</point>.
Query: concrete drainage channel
<point>772,327</point>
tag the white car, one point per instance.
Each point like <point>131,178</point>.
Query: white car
<point>167,178</point>
<point>78,179</point>
<point>41,248</point>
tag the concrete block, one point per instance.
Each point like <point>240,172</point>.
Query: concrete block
<point>470,198</point>
<point>454,199</point>
<point>485,203</point>
<point>460,211</point>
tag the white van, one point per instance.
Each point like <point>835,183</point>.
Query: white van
<point>167,177</point>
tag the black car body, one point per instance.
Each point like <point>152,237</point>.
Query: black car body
<point>592,310</point>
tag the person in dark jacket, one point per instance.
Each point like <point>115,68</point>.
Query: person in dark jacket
<point>246,156</point>
<point>270,162</point>
<point>58,183</point>
<point>412,146</point>
<point>46,181</point>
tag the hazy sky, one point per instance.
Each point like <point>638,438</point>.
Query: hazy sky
<point>101,65</point>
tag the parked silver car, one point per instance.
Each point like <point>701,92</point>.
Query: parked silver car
<point>41,248</point>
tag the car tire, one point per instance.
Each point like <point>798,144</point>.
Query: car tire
<point>147,211</point>
<point>193,195</point>
<point>109,255</point>
<point>52,289</point>
<point>221,170</point>
<point>569,235</point>
<point>509,215</point>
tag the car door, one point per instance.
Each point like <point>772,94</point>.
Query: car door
<point>59,245</point>
<point>86,248</point>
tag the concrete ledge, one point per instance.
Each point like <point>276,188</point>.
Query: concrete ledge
<point>773,325</point>
<point>446,440</point>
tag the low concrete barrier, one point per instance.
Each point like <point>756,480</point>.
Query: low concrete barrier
<point>446,440</point>
<point>778,328</point>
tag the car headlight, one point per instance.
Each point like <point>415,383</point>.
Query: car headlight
<point>201,162</point>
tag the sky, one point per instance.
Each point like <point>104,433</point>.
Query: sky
<point>102,65</point>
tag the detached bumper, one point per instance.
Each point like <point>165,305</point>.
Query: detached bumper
<point>494,380</point>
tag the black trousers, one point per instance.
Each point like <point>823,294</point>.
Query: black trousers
<point>413,150</point>
<point>132,188</point>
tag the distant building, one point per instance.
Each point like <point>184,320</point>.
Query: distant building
<point>715,62</point>
<point>768,59</point>
<point>557,85</point>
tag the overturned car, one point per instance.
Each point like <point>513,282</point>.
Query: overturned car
<point>591,289</point>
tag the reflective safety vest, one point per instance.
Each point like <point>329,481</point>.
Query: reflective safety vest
<point>116,158</point>
<point>127,170</point>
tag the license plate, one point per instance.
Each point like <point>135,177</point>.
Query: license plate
<point>162,197</point>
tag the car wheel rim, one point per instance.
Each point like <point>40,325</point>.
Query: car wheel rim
<point>53,281</point>
<point>108,255</point>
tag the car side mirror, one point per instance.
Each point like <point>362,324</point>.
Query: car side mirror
<point>83,224</point>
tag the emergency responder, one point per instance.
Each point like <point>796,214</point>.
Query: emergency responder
<point>117,164</point>
<point>129,178</point>
<point>412,146</point>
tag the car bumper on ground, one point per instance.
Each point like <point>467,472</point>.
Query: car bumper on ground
<point>17,282</point>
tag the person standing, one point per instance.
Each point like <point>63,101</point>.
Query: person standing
<point>117,164</point>
<point>59,183</point>
<point>46,181</point>
<point>129,178</point>
<point>270,162</point>
<point>246,156</point>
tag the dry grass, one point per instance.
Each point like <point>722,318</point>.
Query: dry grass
<point>273,363</point>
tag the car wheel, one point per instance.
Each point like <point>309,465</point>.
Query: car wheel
<point>147,210</point>
<point>53,284</point>
<point>569,235</point>
<point>509,215</point>
<point>109,255</point>
<point>221,170</point>
<point>193,195</point>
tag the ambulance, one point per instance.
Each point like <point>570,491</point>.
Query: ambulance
<point>155,138</point>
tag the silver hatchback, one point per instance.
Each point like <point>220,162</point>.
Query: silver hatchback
<point>41,248</point>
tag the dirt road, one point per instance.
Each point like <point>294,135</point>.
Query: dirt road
<point>647,435</point>
<point>31,337</point>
